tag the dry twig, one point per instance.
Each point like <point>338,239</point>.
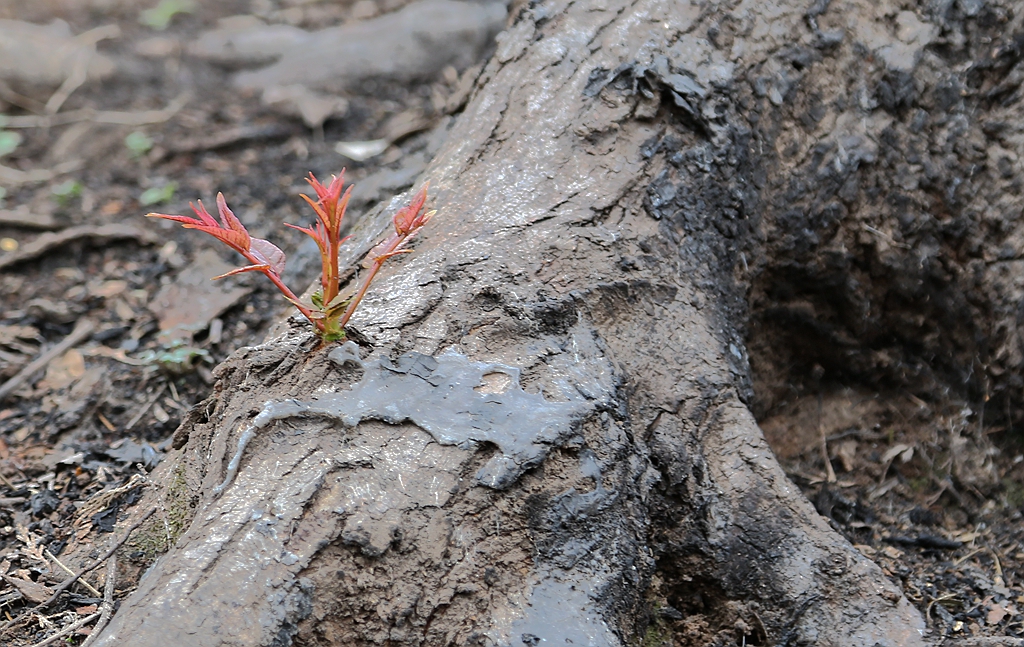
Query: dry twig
<point>830,474</point>
<point>67,630</point>
<point>71,580</point>
<point>228,137</point>
<point>82,329</point>
<point>79,74</point>
<point>12,97</point>
<point>116,117</point>
<point>68,582</point>
<point>51,240</point>
<point>22,217</point>
<point>102,500</point>
<point>11,177</point>
<point>53,558</point>
<point>141,412</point>
<point>107,608</point>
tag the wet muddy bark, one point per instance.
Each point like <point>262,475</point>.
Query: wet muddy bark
<point>550,403</point>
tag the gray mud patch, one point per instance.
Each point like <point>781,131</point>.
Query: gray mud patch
<point>561,613</point>
<point>454,399</point>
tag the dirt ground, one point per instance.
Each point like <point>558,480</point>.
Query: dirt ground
<point>925,489</point>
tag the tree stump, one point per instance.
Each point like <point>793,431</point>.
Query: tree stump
<point>548,404</point>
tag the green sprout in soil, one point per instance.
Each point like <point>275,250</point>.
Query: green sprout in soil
<point>329,310</point>
<point>9,142</point>
<point>138,143</point>
<point>158,194</point>
<point>160,16</point>
<point>176,358</point>
<point>65,191</point>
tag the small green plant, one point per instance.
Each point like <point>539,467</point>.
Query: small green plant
<point>158,194</point>
<point>160,16</point>
<point>329,310</point>
<point>138,143</point>
<point>178,358</point>
<point>9,142</point>
<point>65,191</point>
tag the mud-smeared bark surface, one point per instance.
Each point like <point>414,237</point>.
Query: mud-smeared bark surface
<point>657,221</point>
<point>624,180</point>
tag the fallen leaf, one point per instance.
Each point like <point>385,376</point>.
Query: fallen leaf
<point>846,452</point>
<point>896,450</point>
<point>882,489</point>
<point>112,208</point>
<point>131,452</point>
<point>108,288</point>
<point>159,413</point>
<point>893,552</point>
<point>15,336</point>
<point>995,614</point>
<point>33,591</point>
<point>404,124</point>
<point>123,310</point>
<point>187,305</point>
<point>64,370</point>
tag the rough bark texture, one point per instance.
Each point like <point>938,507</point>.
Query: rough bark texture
<point>624,178</point>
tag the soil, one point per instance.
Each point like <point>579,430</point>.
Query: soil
<point>926,489</point>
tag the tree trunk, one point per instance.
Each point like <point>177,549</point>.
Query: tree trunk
<point>549,406</point>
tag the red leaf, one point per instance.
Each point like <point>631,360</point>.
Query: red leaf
<point>228,217</point>
<point>315,231</point>
<point>269,253</point>
<point>328,195</point>
<point>237,240</point>
<point>229,231</point>
<point>408,218</point>
<point>321,214</point>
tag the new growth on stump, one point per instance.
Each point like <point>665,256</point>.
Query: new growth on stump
<point>329,309</point>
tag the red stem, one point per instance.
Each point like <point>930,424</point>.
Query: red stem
<point>307,312</point>
<point>331,268</point>
<point>370,273</point>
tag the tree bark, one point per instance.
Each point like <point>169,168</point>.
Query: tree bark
<point>625,176</point>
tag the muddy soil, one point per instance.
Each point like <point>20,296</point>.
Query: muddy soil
<point>920,483</point>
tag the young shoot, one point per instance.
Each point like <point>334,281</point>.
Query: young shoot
<point>329,311</point>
